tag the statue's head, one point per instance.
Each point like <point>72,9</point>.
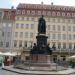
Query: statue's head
<point>34,44</point>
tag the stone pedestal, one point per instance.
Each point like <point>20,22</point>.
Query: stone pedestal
<point>41,40</point>
<point>40,54</point>
<point>41,58</point>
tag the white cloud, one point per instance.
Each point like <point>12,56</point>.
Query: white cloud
<point>56,2</point>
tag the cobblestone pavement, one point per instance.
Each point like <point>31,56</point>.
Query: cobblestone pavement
<point>4,72</point>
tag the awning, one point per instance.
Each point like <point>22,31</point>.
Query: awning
<point>9,54</point>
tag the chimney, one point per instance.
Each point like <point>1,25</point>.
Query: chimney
<point>42,3</point>
<point>51,3</point>
<point>12,7</point>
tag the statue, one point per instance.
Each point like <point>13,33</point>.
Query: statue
<point>41,47</point>
<point>34,50</point>
<point>49,51</point>
<point>42,26</point>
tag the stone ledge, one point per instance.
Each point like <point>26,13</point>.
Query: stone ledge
<point>20,71</point>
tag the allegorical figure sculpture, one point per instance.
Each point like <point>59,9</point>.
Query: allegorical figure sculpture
<point>42,25</point>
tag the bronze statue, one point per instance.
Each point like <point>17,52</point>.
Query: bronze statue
<point>42,25</point>
<point>41,47</point>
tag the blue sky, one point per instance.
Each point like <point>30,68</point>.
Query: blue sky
<point>9,3</point>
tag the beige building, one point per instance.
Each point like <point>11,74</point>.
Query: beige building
<point>60,26</point>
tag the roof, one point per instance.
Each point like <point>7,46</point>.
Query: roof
<point>44,6</point>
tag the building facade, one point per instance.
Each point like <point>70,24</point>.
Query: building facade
<point>6,24</point>
<point>21,30</point>
<point>60,25</point>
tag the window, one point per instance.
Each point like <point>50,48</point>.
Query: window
<point>32,26</point>
<point>7,44</point>
<point>25,44</point>
<point>49,35</point>
<point>54,36</point>
<point>49,13</point>
<point>27,58</point>
<point>53,20</point>
<point>0,14</point>
<point>27,26</point>
<point>17,25</point>
<point>58,20</point>
<point>49,19</point>
<point>17,18</point>
<point>31,43</point>
<point>28,12</point>
<point>1,44</point>
<point>23,12</point>
<point>69,28</point>
<point>53,27</point>
<point>26,34</point>
<point>27,18</point>
<point>64,28</point>
<point>58,14</point>
<point>58,27</point>
<point>18,11</point>
<point>32,19</point>
<point>53,14</point>
<point>22,25</point>
<point>70,37</point>
<point>31,35</point>
<point>74,46</point>
<point>68,21</point>
<point>70,46</point>
<point>4,25</point>
<point>32,12</point>
<point>63,13</point>
<point>63,20</point>
<point>21,34</point>
<point>48,27</point>
<point>22,18</point>
<point>8,34</point>
<point>59,36</point>
<point>59,45</point>
<point>2,34</point>
<point>64,36</point>
<point>9,25</point>
<point>16,34</point>
<point>15,43</point>
<point>39,12</point>
<point>74,37</point>
<point>73,28</point>
<point>64,45</point>
<point>20,43</point>
<point>73,21</point>
<point>43,12</point>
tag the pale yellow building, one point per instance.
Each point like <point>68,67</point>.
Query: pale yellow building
<point>60,26</point>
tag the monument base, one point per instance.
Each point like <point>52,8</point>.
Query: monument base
<point>41,58</point>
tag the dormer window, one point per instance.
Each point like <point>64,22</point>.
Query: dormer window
<point>18,12</point>
<point>58,13</point>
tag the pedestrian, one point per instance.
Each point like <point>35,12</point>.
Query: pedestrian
<point>3,65</point>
